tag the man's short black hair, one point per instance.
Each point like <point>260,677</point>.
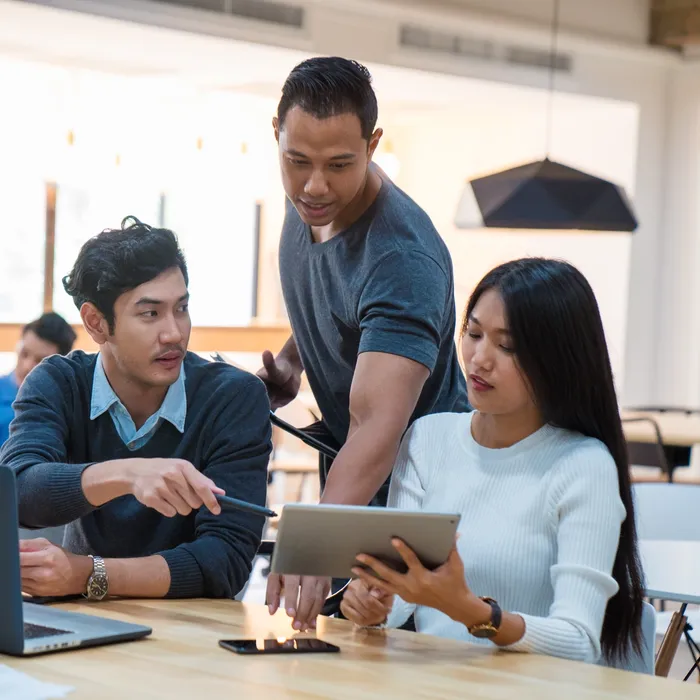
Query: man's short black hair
<point>118,260</point>
<point>328,86</point>
<point>54,329</point>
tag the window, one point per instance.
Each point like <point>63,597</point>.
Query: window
<point>22,247</point>
<point>216,229</point>
<point>82,212</point>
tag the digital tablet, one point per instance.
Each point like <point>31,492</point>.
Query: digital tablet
<point>323,540</point>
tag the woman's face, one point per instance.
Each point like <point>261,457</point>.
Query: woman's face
<point>495,382</point>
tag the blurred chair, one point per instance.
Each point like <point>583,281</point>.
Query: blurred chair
<point>641,662</point>
<point>644,455</point>
<point>676,455</point>
<point>667,512</point>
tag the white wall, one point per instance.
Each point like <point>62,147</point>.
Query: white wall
<point>676,328</point>
<point>439,152</point>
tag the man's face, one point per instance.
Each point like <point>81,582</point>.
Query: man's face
<point>151,331</point>
<point>30,352</point>
<point>324,163</point>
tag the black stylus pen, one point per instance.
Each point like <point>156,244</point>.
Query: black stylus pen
<point>244,505</point>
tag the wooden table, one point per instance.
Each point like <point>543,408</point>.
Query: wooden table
<point>182,660</point>
<point>680,433</point>
<point>677,429</point>
<point>672,569</point>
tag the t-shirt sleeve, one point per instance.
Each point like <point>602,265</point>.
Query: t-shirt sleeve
<point>402,307</point>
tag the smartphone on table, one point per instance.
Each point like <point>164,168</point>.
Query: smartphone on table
<point>281,645</point>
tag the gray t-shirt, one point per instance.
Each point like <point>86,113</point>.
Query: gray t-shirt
<point>385,284</point>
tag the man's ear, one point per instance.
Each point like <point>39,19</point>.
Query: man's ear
<point>276,127</point>
<point>374,140</point>
<point>95,323</point>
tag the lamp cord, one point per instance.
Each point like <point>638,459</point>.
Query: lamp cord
<point>552,70</point>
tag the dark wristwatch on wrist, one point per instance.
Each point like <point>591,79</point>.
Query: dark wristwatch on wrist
<point>488,630</point>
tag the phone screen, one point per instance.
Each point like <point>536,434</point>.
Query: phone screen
<point>281,645</point>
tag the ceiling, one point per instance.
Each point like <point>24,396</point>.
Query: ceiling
<point>172,60</point>
<point>79,42</point>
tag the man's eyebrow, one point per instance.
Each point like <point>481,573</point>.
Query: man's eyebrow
<point>150,301</point>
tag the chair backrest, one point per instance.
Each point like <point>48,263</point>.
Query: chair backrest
<point>644,662</point>
<point>667,511</point>
<point>647,454</point>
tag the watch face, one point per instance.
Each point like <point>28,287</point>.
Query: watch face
<point>484,632</point>
<point>97,588</point>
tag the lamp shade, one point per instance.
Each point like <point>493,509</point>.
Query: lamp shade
<point>545,195</point>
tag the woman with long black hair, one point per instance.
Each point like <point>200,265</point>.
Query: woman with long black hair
<point>547,559</point>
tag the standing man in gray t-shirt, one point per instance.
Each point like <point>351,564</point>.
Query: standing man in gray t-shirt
<point>369,290</point>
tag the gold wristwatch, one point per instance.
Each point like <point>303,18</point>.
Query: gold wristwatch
<point>488,630</point>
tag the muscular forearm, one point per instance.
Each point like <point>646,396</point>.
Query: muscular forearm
<point>362,466</point>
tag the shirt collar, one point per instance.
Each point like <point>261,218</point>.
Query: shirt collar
<point>173,409</point>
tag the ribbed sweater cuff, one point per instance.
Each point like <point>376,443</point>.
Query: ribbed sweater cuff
<point>186,580</point>
<point>65,500</point>
<point>555,638</point>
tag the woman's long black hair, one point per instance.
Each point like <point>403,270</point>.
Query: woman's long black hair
<point>559,342</point>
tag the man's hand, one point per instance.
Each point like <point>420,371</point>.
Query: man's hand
<point>49,570</point>
<point>304,597</point>
<point>282,379</point>
<point>366,605</point>
<point>171,486</point>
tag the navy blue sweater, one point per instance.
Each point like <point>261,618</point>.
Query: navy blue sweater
<point>227,437</point>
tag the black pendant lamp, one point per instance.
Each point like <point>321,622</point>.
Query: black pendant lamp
<point>545,194</point>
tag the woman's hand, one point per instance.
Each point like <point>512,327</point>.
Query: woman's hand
<point>443,589</point>
<point>365,604</point>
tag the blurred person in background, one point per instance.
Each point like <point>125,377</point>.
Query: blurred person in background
<point>48,335</point>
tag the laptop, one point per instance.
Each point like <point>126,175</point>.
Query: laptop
<point>28,628</point>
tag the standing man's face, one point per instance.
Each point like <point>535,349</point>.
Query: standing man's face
<point>324,163</point>
<point>30,352</point>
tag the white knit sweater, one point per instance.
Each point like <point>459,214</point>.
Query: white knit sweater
<point>540,524</point>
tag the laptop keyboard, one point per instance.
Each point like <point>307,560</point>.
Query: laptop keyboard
<point>38,631</point>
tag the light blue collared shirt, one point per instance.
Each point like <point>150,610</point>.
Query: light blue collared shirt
<point>173,409</point>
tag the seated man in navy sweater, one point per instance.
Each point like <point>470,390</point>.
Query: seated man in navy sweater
<point>129,447</point>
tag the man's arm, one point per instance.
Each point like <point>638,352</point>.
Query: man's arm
<point>49,570</point>
<point>282,374</point>
<point>48,486</point>
<point>53,491</point>
<point>217,563</point>
<point>402,312</point>
<point>384,393</point>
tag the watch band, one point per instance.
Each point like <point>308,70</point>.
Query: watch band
<point>488,630</point>
<point>496,613</point>
<point>98,583</point>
